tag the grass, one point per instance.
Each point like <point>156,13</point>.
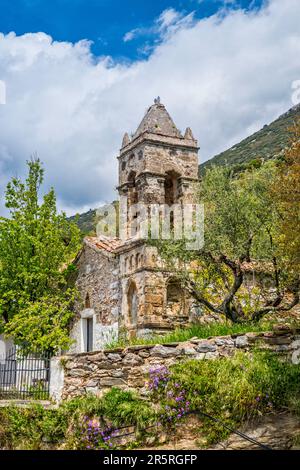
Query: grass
<point>239,389</point>
<point>199,331</point>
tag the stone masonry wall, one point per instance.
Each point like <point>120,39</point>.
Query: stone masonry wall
<point>98,280</point>
<point>128,368</point>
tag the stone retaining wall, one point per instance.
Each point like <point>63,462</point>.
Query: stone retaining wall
<point>128,368</point>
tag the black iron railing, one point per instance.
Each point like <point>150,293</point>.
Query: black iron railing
<point>25,375</point>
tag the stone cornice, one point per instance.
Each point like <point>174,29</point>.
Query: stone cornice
<point>158,175</point>
<point>161,140</point>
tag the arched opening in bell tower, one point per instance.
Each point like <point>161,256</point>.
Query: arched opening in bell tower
<point>171,195</point>
<point>132,193</point>
<point>171,184</point>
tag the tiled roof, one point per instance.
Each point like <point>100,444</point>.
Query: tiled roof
<point>111,244</point>
<point>104,243</point>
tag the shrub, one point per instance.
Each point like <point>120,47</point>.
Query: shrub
<point>237,389</point>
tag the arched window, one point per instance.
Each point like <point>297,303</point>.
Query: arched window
<point>87,303</point>
<point>133,196</point>
<point>137,260</point>
<point>171,188</point>
<point>131,266</point>
<point>87,321</point>
<point>132,300</point>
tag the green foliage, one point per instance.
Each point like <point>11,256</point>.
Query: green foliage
<point>36,246</point>
<point>287,196</point>
<point>121,407</point>
<point>44,323</point>
<point>240,227</point>
<point>35,427</point>
<point>29,428</point>
<point>237,389</point>
<point>237,210</point>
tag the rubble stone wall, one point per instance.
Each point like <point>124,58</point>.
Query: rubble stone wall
<point>100,293</point>
<point>128,368</point>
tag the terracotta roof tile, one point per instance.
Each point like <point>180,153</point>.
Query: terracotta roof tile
<point>110,244</point>
<point>104,243</point>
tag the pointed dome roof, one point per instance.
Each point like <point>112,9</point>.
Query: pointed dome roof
<point>158,121</point>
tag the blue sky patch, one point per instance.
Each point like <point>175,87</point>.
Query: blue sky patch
<point>122,29</point>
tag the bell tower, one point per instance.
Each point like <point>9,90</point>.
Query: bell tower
<point>158,165</point>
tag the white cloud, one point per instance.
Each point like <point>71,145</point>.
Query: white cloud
<point>131,35</point>
<point>167,22</point>
<point>168,17</point>
<point>223,76</point>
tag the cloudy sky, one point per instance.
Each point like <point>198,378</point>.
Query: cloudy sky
<point>79,73</point>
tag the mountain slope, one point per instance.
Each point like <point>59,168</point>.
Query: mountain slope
<point>264,144</point>
<point>85,221</point>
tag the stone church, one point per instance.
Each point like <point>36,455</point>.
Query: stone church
<point>123,286</point>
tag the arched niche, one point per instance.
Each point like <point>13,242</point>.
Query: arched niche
<point>87,301</point>
<point>132,304</point>
<point>175,297</point>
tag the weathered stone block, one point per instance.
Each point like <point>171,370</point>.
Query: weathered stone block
<point>162,351</point>
<point>205,347</point>
<point>241,341</point>
<point>114,357</point>
<point>281,348</point>
<point>211,355</point>
<point>98,357</point>
<point>144,354</point>
<point>112,382</point>
<point>117,373</point>
<point>277,339</point>
<point>295,344</point>
<point>224,342</point>
<point>200,356</point>
<point>154,299</point>
<point>78,373</point>
<point>92,383</point>
<point>131,359</point>
<point>187,351</point>
<point>93,390</point>
<point>114,285</point>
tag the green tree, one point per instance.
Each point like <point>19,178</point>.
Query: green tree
<point>286,192</point>
<point>37,246</point>
<point>240,237</point>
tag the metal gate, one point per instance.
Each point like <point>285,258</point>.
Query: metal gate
<point>25,375</point>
